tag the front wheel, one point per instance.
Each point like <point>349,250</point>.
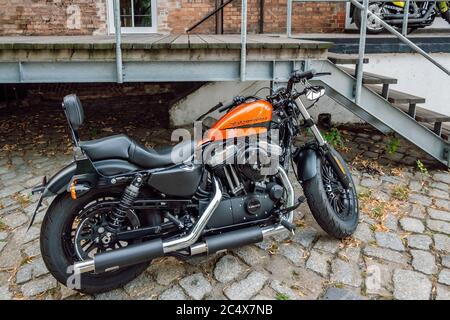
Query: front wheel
<point>334,207</point>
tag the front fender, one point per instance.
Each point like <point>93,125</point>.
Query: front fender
<point>306,161</point>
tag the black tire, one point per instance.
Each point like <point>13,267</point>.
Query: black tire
<point>357,20</point>
<point>324,213</point>
<point>62,212</point>
<point>446,15</point>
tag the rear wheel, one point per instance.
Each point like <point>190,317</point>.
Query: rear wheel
<point>334,207</point>
<point>75,230</point>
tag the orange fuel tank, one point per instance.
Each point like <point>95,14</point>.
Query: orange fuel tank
<point>244,120</point>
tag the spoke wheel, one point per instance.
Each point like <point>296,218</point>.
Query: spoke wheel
<point>91,233</point>
<point>339,198</point>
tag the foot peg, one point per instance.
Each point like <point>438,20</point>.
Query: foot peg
<point>283,221</point>
<point>290,226</point>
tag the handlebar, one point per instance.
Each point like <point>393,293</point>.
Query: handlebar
<point>297,76</point>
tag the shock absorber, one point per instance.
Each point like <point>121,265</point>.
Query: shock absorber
<point>129,195</point>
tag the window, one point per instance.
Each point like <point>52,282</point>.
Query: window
<point>136,16</point>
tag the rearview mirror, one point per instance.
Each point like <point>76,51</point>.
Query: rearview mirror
<point>314,93</point>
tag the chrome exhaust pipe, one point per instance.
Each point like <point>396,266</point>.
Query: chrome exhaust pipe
<point>156,248</point>
<point>202,247</point>
<point>146,251</point>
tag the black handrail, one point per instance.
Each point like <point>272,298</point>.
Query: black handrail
<point>209,15</point>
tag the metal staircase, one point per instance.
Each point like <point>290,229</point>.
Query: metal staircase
<point>386,109</point>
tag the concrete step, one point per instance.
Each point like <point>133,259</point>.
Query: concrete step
<point>398,97</point>
<point>338,58</point>
<point>425,115</point>
<point>370,78</point>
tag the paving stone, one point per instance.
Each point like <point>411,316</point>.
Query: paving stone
<point>2,245</point>
<point>442,177</point>
<point>391,222</point>
<point>412,225</point>
<point>439,214</point>
<point>389,240</point>
<point>283,289</point>
<point>142,286</point>
<point>116,294</point>
<point>246,288</point>
<point>378,279</point>
<point>411,285</point>
<point>227,269</point>
<point>5,294</point>
<point>385,254</point>
<point>416,211</point>
<point>442,242</point>
<point>260,297</point>
<point>173,293</point>
<point>30,235</point>
<point>251,255</point>
<point>437,193</point>
<point>370,183</point>
<point>167,271</point>
<point>420,199</point>
<point>305,236</point>
<point>350,254</point>
<point>438,226</point>
<point>15,220</point>
<point>38,286</point>
<point>318,262</point>
<point>10,255</point>
<point>9,191</point>
<point>340,294</point>
<point>327,244</point>
<point>446,261</point>
<point>418,241</point>
<point>444,204</point>
<point>293,253</point>
<point>440,185</point>
<point>444,277</point>
<point>32,249</point>
<point>363,233</point>
<point>265,245</point>
<point>3,235</point>
<point>345,272</point>
<point>423,261</point>
<point>415,185</point>
<point>196,286</point>
<point>67,292</point>
<point>442,292</point>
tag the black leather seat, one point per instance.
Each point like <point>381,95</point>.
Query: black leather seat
<point>122,147</point>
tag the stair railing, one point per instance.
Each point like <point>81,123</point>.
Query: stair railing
<point>208,15</point>
<point>362,39</point>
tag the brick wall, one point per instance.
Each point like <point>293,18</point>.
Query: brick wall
<point>87,17</point>
<point>52,17</point>
<point>176,16</point>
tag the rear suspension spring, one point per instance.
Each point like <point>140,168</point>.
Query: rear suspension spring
<point>126,202</point>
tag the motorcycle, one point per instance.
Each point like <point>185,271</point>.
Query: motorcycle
<point>119,205</point>
<point>421,14</point>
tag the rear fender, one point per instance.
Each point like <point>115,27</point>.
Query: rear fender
<point>60,181</point>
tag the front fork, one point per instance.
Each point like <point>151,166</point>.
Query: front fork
<point>323,145</point>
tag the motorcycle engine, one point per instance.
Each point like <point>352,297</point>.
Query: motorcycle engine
<point>256,161</point>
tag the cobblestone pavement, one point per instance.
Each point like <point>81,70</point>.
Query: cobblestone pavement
<point>401,249</point>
